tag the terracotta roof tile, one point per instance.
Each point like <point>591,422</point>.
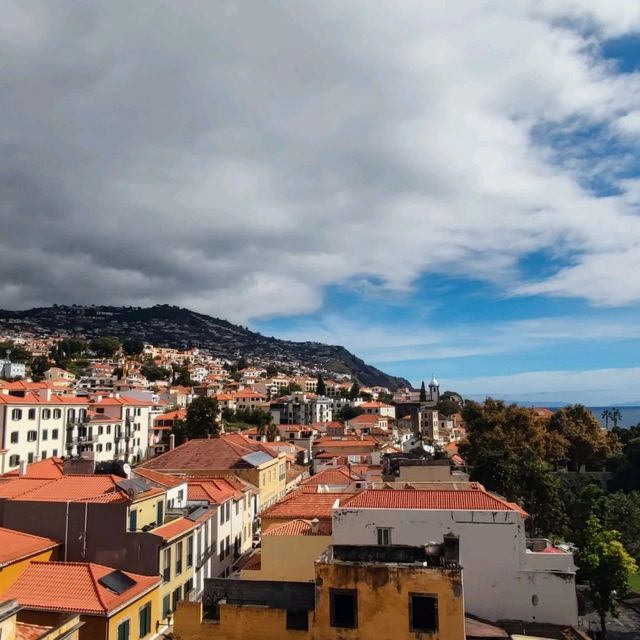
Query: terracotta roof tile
<point>73,587</point>
<point>175,528</point>
<point>49,468</point>
<point>163,479</point>
<point>216,490</point>
<point>225,452</point>
<point>306,505</point>
<point>26,631</point>
<point>15,545</point>
<point>340,476</point>
<point>11,488</point>
<point>298,527</point>
<point>462,500</point>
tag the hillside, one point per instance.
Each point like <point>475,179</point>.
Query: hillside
<point>165,325</point>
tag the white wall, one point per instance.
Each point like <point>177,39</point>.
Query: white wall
<point>501,579</point>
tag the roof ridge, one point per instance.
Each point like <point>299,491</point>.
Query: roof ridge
<point>94,584</point>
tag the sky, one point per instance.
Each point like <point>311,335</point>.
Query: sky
<point>445,188</point>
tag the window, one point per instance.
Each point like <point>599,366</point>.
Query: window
<point>188,585</point>
<point>32,414</point>
<point>179,549</point>
<point>228,508</point>
<point>30,457</point>
<point>298,620</point>
<point>159,512</point>
<point>14,437</point>
<point>190,551</point>
<point>166,606</point>
<point>54,453</point>
<point>166,564</point>
<point>237,503</point>
<point>123,630</point>
<point>54,434</point>
<point>133,520</point>
<point>181,495</point>
<point>177,596</point>
<point>14,460</point>
<point>100,430</point>
<point>45,434</point>
<point>16,414</point>
<point>227,545</point>
<point>46,414</point>
<point>108,446</point>
<point>32,436</point>
<point>44,455</point>
<point>423,613</point>
<point>57,413</point>
<point>343,605</point>
<point>108,429</point>
<point>144,619</point>
<point>384,535</point>
<point>98,448</point>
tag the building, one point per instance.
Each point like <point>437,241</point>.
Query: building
<point>507,576</point>
<point>372,592</point>
<point>302,408</point>
<point>66,626</point>
<point>18,550</point>
<point>378,408</point>
<point>229,455</point>
<point>112,604</point>
<point>9,370</point>
<point>288,551</point>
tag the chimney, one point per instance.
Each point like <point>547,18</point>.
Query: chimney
<point>315,526</point>
<point>451,547</point>
<point>22,468</point>
<point>45,394</point>
<point>172,441</point>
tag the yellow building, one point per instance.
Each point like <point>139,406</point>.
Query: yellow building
<point>67,626</point>
<point>18,550</point>
<point>373,592</point>
<point>176,562</point>
<point>112,604</point>
<point>289,550</point>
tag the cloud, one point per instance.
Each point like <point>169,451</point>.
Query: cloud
<point>239,157</point>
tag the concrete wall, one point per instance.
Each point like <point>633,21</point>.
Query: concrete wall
<point>11,572</point>
<point>289,558</point>
<point>502,580</point>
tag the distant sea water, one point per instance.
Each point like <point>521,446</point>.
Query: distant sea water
<point>630,415</point>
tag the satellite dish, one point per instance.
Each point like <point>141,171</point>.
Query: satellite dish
<point>126,468</point>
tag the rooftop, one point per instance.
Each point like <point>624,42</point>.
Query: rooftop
<point>49,468</point>
<point>77,587</point>
<point>174,529</point>
<point>163,479</point>
<point>306,505</point>
<point>339,476</point>
<point>15,545</point>
<point>460,500</point>
<point>298,527</point>
<point>209,454</point>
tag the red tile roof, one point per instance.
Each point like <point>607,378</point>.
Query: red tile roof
<point>225,452</point>
<point>15,545</point>
<point>254,563</point>
<point>26,631</point>
<point>10,488</point>
<point>174,529</point>
<point>163,479</point>
<point>460,500</point>
<point>216,490</point>
<point>49,468</point>
<point>346,442</point>
<point>73,587</point>
<point>298,528</point>
<point>306,505</point>
<point>340,476</point>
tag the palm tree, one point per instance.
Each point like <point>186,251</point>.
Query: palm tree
<point>606,416</point>
<point>616,416</point>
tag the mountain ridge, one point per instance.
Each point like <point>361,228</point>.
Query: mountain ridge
<point>172,326</point>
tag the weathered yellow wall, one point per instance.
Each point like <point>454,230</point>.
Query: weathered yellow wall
<point>94,627</point>
<point>289,558</point>
<point>179,580</point>
<point>8,628</point>
<point>10,573</point>
<point>131,612</point>
<point>383,601</point>
<point>147,511</point>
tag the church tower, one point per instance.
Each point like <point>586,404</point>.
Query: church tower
<point>434,390</point>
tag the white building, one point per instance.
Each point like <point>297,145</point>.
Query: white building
<point>10,369</point>
<point>506,576</point>
<point>302,408</point>
<point>378,408</point>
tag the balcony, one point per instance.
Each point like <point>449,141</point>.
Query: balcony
<point>542,555</point>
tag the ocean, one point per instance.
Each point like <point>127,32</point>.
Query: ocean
<point>630,415</point>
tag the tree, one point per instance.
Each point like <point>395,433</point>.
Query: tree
<point>38,366</point>
<point>423,392</point>
<point>616,416</point>
<point>153,372</point>
<point>321,387</point>
<point>272,432</point>
<point>292,387</point>
<point>606,415</point>
<point>14,352</point>
<point>241,364</point>
<point>621,511</point>
<point>385,397</point>
<point>271,370</point>
<point>132,347</point>
<point>447,407</point>
<point>605,566</point>
<point>580,436</point>
<point>348,413</point>
<point>354,392</point>
<point>105,346</point>
<point>181,376</point>
<point>202,418</point>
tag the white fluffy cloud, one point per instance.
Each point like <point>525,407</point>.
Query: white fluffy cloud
<point>238,157</point>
